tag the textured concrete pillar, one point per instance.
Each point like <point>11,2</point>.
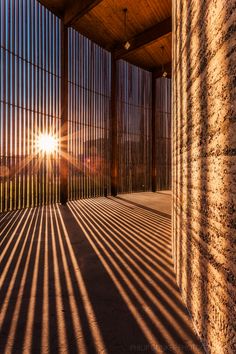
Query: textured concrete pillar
<point>204,166</point>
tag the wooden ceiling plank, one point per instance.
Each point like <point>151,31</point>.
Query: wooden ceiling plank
<point>79,9</point>
<point>147,37</point>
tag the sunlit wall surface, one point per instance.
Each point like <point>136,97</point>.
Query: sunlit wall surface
<point>204,166</point>
<point>89,117</point>
<point>134,128</point>
<point>30,101</point>
<point>163,133</point>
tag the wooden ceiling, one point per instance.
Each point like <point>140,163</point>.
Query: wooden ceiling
<point>148,27</point>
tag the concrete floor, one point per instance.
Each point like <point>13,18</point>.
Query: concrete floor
<point>159,202</point>
<point>95,276</point>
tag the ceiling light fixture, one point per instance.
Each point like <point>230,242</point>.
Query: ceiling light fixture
<point>164,73</point>
<point>127,43</point>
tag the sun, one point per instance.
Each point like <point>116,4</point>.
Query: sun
<point>47,143</point>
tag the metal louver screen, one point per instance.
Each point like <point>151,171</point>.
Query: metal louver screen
<point>89,117</point>
<point>163,133</point>
<point>134,100</point>
<point>30,103</point>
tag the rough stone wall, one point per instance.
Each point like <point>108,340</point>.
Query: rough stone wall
<point>204,166</point>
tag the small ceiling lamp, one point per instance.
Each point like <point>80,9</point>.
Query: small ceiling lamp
<point>164,73</point>
<point>127,43</point>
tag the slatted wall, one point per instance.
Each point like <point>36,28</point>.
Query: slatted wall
<point>30,103</point>
<point>30,39</point>
<point>134,100</point>
<point>89,118</point>
<point>163,133</point>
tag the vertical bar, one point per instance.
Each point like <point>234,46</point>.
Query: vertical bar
<point>64,115</point>
<point>154,156</point>
<point>114,155</point>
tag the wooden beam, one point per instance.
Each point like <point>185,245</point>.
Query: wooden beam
<point>78,9</point>
<point>158,72</point>
<point>150,35</point>
<point>54,7</point>
<point>64,115</point>
<point>154,154</point>
<point>113,125</point>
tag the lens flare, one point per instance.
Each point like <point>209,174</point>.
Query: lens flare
<point>47,143</point>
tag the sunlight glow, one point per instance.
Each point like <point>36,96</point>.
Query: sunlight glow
<point>47,143</point>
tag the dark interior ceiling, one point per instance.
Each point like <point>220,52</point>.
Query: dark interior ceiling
<point>148,27</point>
